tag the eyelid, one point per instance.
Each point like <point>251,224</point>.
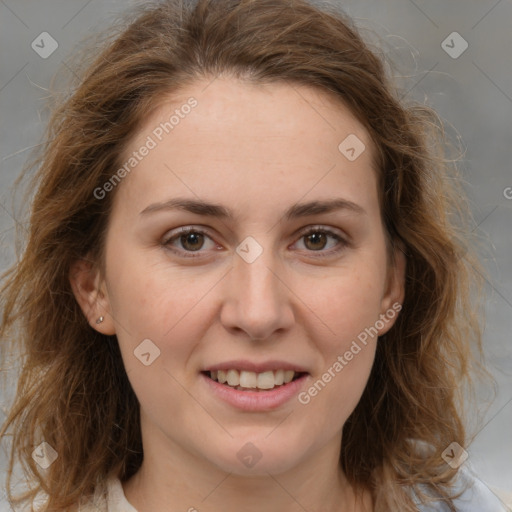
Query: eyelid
<point>313,228</point>
<point>183,230</point>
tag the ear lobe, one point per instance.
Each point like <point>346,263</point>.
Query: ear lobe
<point>394,297</point>
<point>90,292</point>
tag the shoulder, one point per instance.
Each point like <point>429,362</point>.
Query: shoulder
<point>476,496</point>
<point>109,497</point>
<point>97,503</point>
<point>116,500</point>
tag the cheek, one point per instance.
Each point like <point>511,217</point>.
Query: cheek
<point>344,305</point>
<point>345,311</point>
<point>149,297</point>
<point>168,313</point>
<point>334,392</point>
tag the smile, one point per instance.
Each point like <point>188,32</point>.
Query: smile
<point>243,380</point>
<point>241,389</point>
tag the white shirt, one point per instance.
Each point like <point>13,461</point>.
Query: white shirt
<point>110,499</point>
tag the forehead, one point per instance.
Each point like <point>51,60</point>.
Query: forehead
<point>246,140</point>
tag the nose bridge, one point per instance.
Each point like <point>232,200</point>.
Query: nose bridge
<point>257,280</point>
<point>257,301</point>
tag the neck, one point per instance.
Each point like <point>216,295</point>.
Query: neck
<point>176,480</point>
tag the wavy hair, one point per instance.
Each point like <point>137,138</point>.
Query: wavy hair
<point>73,391</point>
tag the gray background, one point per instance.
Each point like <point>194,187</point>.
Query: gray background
<point>472,93</point>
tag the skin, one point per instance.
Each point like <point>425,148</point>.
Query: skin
<point>256,149</point>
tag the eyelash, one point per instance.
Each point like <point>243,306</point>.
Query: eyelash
<point>197,254</point>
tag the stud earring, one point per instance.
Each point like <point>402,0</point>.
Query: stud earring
<point>100,319</point>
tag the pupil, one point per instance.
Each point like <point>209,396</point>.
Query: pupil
<point>191,240</point>
<point>317,237</point>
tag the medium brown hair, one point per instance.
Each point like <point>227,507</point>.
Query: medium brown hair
<point>73,391</point>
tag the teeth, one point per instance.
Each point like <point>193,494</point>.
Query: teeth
<point>248,379</point>
<point>251,380</point>
<point>288,376</point>
<point>233,378</point>
<point>266,380</point>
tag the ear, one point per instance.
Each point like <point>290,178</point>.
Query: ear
<point>90,291</point>
<point>393,298</point>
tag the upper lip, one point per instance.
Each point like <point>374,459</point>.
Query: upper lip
<point>249,366</point>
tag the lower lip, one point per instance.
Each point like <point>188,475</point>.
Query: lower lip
<point>256,400</point>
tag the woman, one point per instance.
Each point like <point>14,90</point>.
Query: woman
<point>243,286</point>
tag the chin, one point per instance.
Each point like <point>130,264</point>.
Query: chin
<point>252,456</point>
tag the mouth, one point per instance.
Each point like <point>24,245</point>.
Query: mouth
<point>243,380</point>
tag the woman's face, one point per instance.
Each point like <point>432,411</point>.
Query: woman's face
<point>249,169</point>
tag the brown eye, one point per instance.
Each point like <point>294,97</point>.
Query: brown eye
<point>189,240</point>
<point>323,241</point>
<point>316,241</point>
<point>192,241</point>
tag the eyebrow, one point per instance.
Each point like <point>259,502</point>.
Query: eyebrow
<point>297,210</point>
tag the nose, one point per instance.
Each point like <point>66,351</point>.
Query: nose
<point>257,300</point>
